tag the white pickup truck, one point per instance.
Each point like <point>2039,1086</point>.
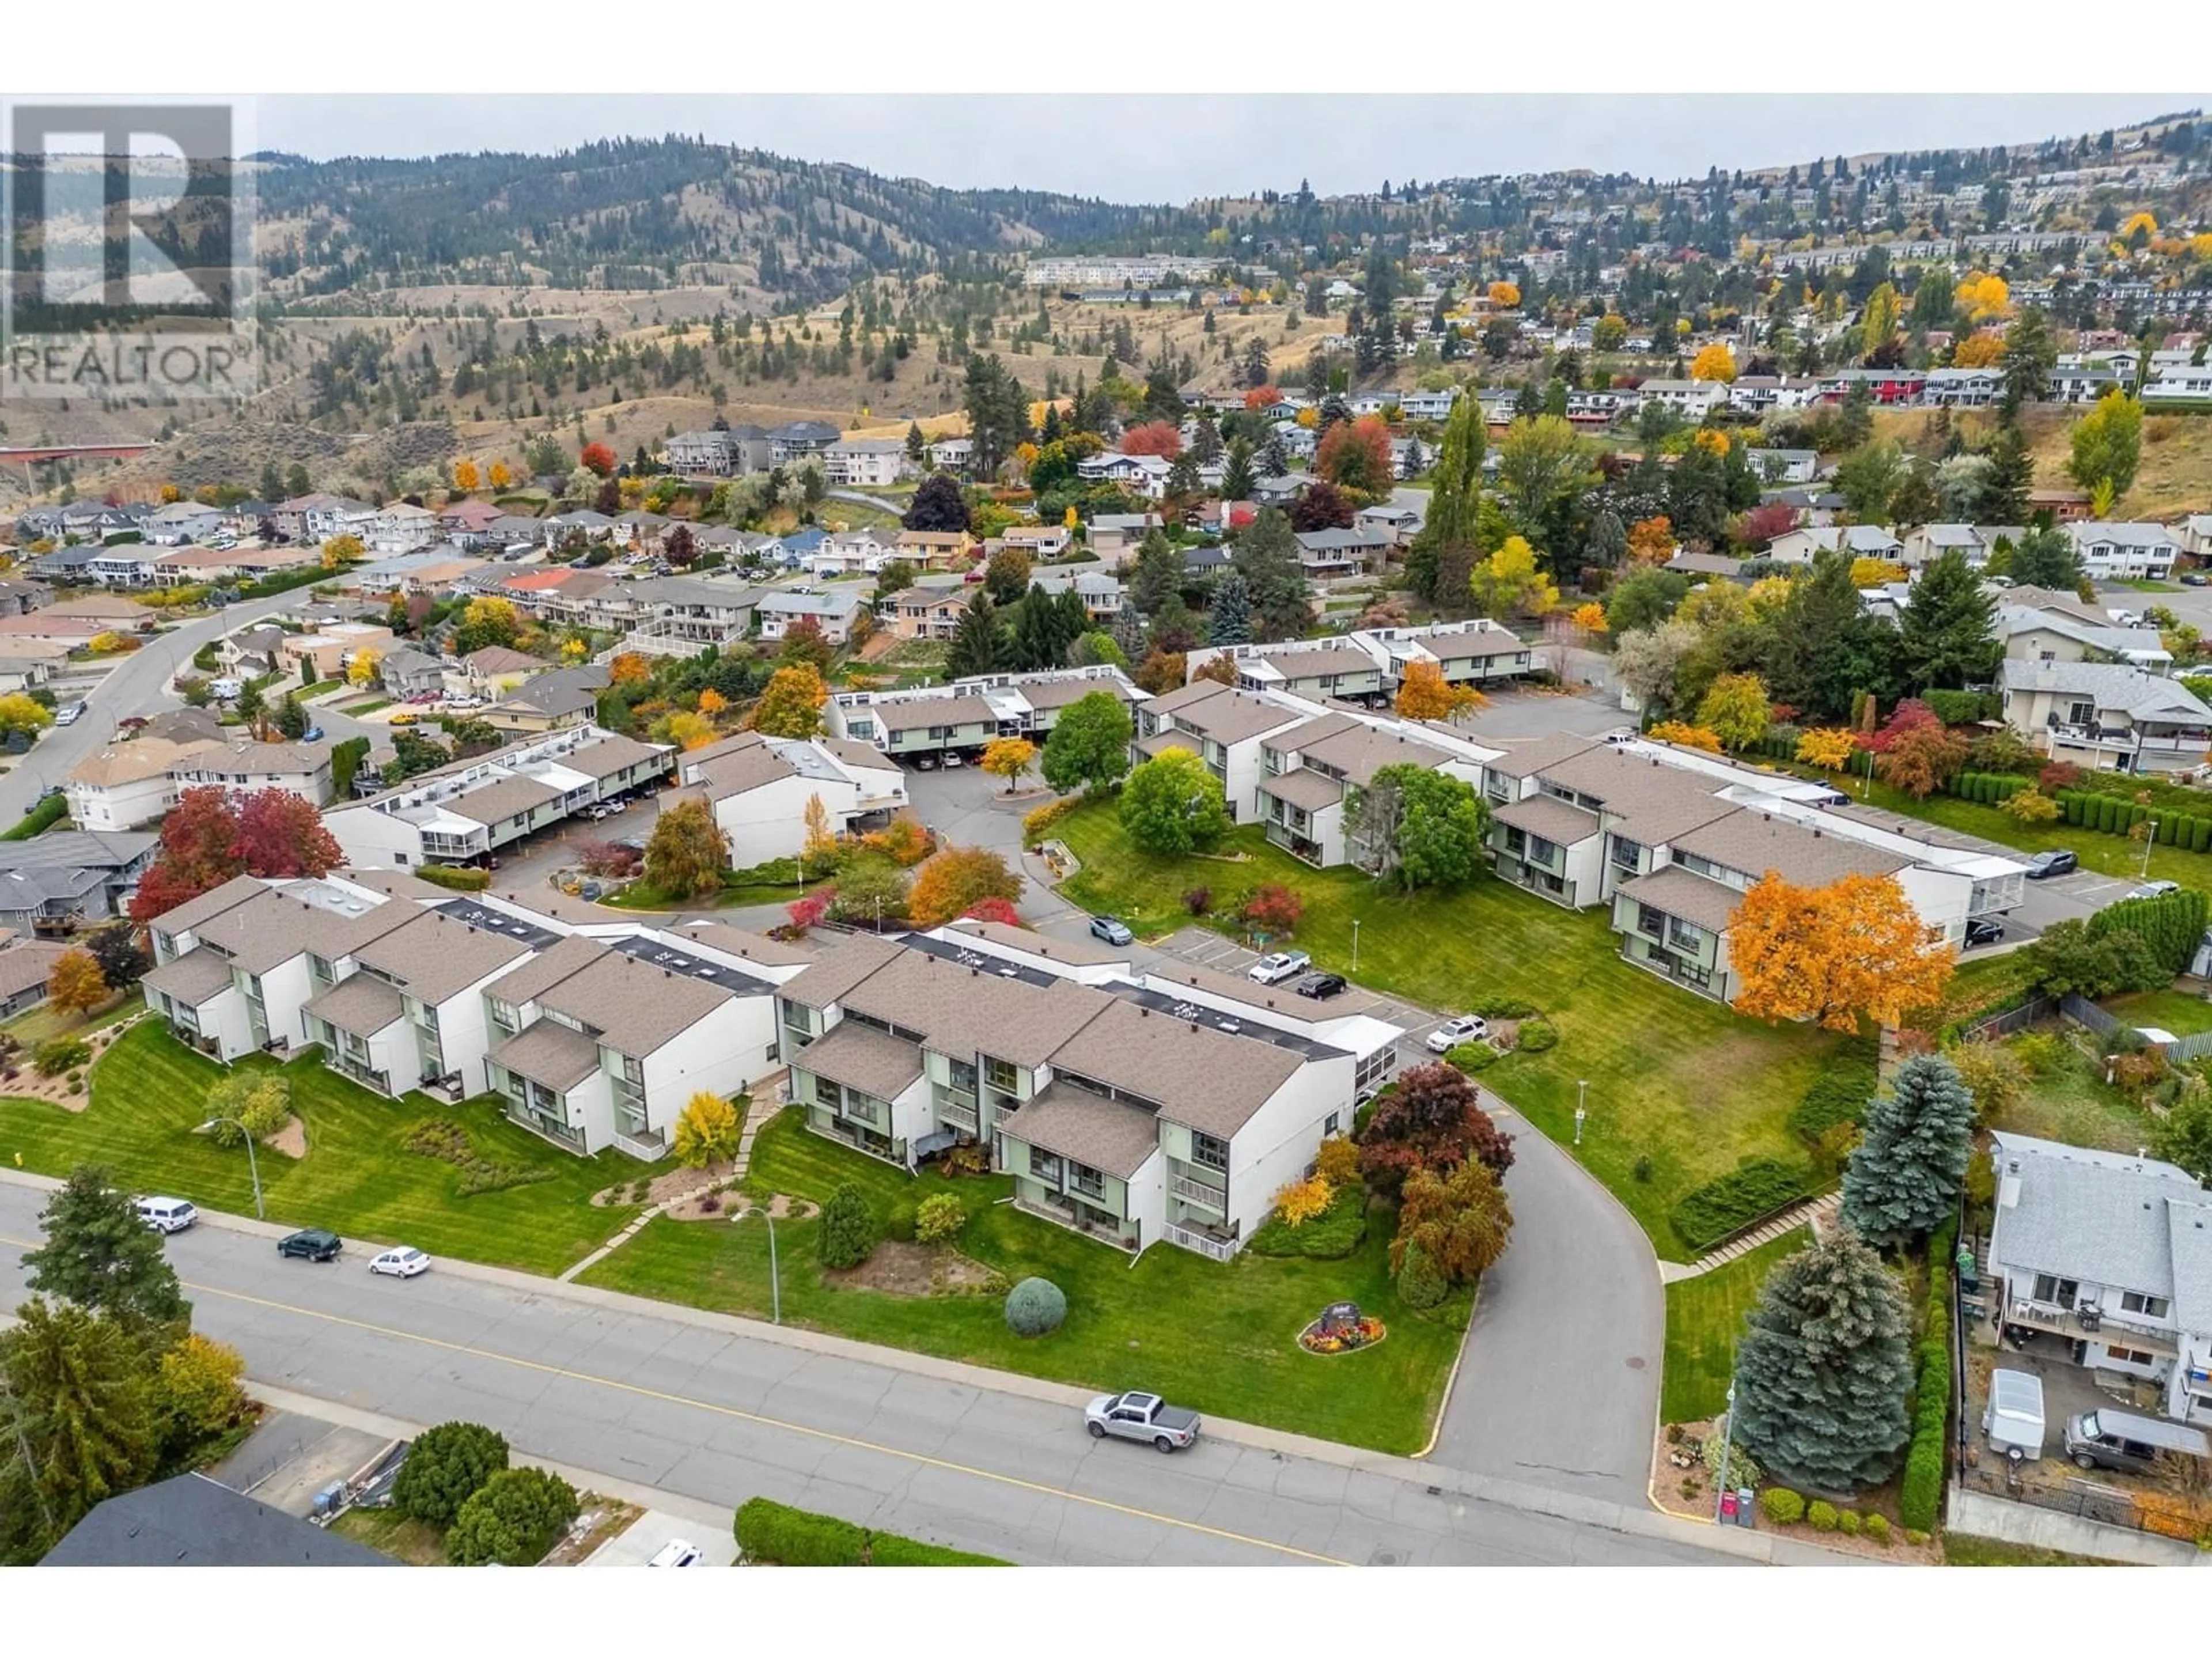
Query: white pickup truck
<point>1141,1417</point>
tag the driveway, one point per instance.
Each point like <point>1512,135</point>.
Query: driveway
<point>288,1458</point>
<point>634,1545</point>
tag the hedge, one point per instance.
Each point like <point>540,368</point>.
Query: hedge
<point>1755,1188</point>
<point>1920,1496</point>
<point>39,819</point>
<point>459,877</point>
<point>776,1535</point>
<point>1838,1095</point>
<point>2171,925</point>
<point>1962,707</point>
<point>2112,815</point>
<point>1989,788</point>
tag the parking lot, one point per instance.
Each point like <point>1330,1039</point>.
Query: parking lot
<point>1202,949</point>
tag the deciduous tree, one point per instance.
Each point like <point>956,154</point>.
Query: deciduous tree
<point>1434,1122</point>
<point>1089,745</point>
<point>706,1131</point>
<point>1904,1178</point>
<point>1173,803</point>
<point>1852,950</point>
<point>487,620</point>
<point>1355,455</point>
<point>1008,758</point>
<point>1683,734</point>
<point>1509,583</point>
<point>1652,541</point>
<point>687,852</point>
<point>937,505</point>
<point>955,879</point>
<point>791,705</point>
<point>1829,747</point>
<point>1735,709</point>
<point>1459,1220</point>
<point>2107,446</point>
<point>74,984</point>
<point>1713,362</point>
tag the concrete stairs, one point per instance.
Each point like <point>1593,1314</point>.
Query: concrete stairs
<point>1818,1213</point>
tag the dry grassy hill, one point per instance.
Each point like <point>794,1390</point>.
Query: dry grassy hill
<point>2175,478</point>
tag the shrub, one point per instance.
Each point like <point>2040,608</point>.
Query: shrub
<point>2041,1052</point>
<point>1915,1536</point>
<point>242,1104</point>
<point>902,1223</point>
<point>59,1054</point>
<point>1839,1095</point>
<point>1502,1008</point>
<point>888,1550</point>
<point>1337,1162</point>
<point>1330,1238</point>
<point>513,1519</point>
<point>446,1467</point>
<point>1536,1036</point>
<point>1198,901</point>
<point>1741,1470</point>
<point>1472,1057</point>
<point>938,1219</point>
<point>1783,1507</point>
<point>1850,1521</point>
<point>1877,1528</point>
<point>1035,1307</point>
<point>1303,1201</point>
<point>1420,1287</point>
<point>1822,1515</point>
<point>1755,1188</point>
<point>847,1235</point>
<point>1643,1172</point>
<point>460,877</point>
<point>1034,824</point>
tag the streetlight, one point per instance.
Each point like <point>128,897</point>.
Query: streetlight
<point>1727,1445</point>
<point>774,1273</point>
<point>1355,945</point>
<point>2150,839</point>
<point>1582,1094</point>
<point>252,1163</point>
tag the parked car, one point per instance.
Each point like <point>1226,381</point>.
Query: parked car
<point>1321,986</point>
<point>168,1215</point>
<point>2058,861</point>
<point>952,760</point>
<point>2154,890</point>
<point>310,1244</point>
<point>1983,930</point>
<point>675,1553</point>
<point>924,762</point>
<point>404,717</point>
<point>68,714</point>
<point>1281,965</point>
<point>1112,929</point>
<point>1141,1417</point>
<point>1462,1028</point>
<point>2109,1439</point>
<point>312,734</point>
<point>2194,578</point>
<point>1621,735</point>
<point>402,1261</point>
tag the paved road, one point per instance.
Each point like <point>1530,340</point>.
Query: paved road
<point>702,1407</point>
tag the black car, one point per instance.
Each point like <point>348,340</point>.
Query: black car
<point>2058,861</point>
<point>1320,985</point>
<point>314,1244</point>
<point>1983,930</point>
<point>2194,578</point>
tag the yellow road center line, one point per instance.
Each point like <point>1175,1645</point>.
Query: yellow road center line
<point>830,1435</point>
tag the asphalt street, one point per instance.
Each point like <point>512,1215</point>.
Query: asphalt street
<point>701,1406</point>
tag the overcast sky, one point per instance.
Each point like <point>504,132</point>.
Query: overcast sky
<point>1172,149</point>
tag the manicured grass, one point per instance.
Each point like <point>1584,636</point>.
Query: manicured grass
<point>1962,1550</point>
<point>1679,1085</point>
<point>390,1533</point>
<point>40,1024</point>
<point>1219,1337</point>
<point>2182,1012</point>
<point>314,689</point>
<point>2074,1103</point>
<point>1705,1321</point>
<point>357,1178</point>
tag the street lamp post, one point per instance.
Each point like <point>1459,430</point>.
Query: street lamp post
<point>1582,1096</point>
<point>1727,1445</point>
<point>252,1163</point>
<point>775,1272</point>
<point>2150,839</point>
<point>1355,945</point>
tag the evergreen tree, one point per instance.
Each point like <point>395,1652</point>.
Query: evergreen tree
<point>291,720</point>
<point>976,647</point>
<point>1904,1178</point>
<point>1175,630</point>
<point>1159,572</point>
<point>1823,1370</point>
<point>1037,641</point>
<point>2012,475</point>
<point>1229,622</point>
<point>2046,558</point>
<point>80,1423</point>
<point>1274,459</point>
<point>2030,355</point>
<point>1946,634</point>
<point>1808,662</point>
<point>1130,631</point>
<point>1205,442</point>
<point>1237,475</point>
<point>1266,556</point>
<point>99,1255</point>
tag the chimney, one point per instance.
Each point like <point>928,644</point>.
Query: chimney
<point>2008,1185</point>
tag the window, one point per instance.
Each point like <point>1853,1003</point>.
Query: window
<point>1210,1151</point>
<point>1328,1125</point>
<point>2050,1288</point>
<point>1628,854</point>
<point>1515,842</point>
<point>2128,1356</point>
<point>1001,1074</point>
<point>2154,1307</point>
<point>1045,1167</point>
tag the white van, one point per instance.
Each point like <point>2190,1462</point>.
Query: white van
<point>168,1215</point>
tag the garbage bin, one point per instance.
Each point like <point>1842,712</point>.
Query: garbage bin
<point>1744,1517</point>
<point>1727,1508</point>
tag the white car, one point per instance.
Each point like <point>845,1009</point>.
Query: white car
<point>675,1553</point>
<point>403,1262</point>
<point>1282,965</point>
<point>953,761</point>
<point>1463,1028</point>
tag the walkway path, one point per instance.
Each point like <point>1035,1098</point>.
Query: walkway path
<point>1818,1213</point>
<point>765,1105</point>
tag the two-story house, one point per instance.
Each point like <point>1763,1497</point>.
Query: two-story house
<point>760,789</point>
<point>2110,716</point>
<point>2123,552</point>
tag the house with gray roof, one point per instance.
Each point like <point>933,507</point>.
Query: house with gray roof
<point>2113,1254</point>
<point>1224,727</point>
<point>193,1521</point>
<point>2108,716</point>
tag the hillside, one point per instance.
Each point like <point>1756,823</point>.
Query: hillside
<point>2175,477</point>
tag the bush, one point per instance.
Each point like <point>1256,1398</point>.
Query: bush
<point>446,1467</point>
<point>459,877</point>
<point>1755,1188</point>
<point>776,1535</point>
<point>1915,1536</point>
<point>513,1519</point>
<point>1822,1515</point>
<point>2041,1052</point>
<point>1329,1237</point>
<point>902,1223</point>
<point>1337,1162</point>
<point>1850,1521</point>
<point>1783,1506</point>
<point>1034,824</point>
<point>1420,1287</point>
<point>1502,1008</point>
<point>59,1054</point>
<point>1302,1201</point>
<point>1198,901</point>
<point>1877,1529</point>
<point>1035,1307</point>
<point>938,1219</point>
<point>1472,1057</point>
<point>888,1550</point>
<point>41,818</point>
<point>1839,1096</point>
<point>1536,1035</point>
<point>847,1235</point>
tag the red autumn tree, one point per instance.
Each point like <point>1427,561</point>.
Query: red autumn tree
<point>1765,522</point>
<point>1153,438</point>
<point>1434,1122</point>
<point>1263,397</point>
<point>994,909</point>
<point>280,833</point>
<point>1321,507</point>
<point>1273,909</point>
<point>1356,455</point>
<point>807,912</point>
<point>599,458</point>
<point>1915,751</point>
<point>680,547</point>
<point>208,838</point>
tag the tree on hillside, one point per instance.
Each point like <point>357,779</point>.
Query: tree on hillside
<point>1434,1122</point>
<point>2107,449</point>
<point>1735,709</point>
<point>1356,456</point>
<point>1543,468</point>
<point>1713,362</point>
<point>1822,1372</point>
<point>1006,577</point>
<point>1088,747</point>
<point>1266,556</point>
<point>1173,803</point>
<point>2030,354</point>
<point>978,644</point>
<point>1228,618</point>
<point>1455,489</point>
<point>1948,630</point>
<point>99,1255</point>
<point>1159,574</point>
<point>937,505</point>
<point>1417,828</point>
<point>687,852</point>
<point>790,704</point>
<point>1238,475</point>
<point>1854,949</point>
<point>1509,583</point>
<point>1905,1175</point>
<point>1320,506</point>
<point>487,620</point>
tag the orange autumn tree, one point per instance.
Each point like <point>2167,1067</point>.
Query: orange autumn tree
<point>1714,362</point>
<point>1589,619</point>
<point>1686,735</point>
<point>629,668</point>
<point>1424,695</point>
<point>1652,541</point>
<point>1506,296</point>
<point>1854,949</point>
<point>957,879</point>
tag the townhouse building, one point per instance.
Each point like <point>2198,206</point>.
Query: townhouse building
<point>928,722</point>
<point>924,613</point>
<point>1370,664</point>
<point>759,789</point>
<point>833,610</point>
<point>867,461</point>
<point>1222,725</point>
<point>1309,774</point>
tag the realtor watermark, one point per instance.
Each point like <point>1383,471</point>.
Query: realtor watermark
<point>126,271</point>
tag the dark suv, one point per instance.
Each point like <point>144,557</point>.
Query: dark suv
<point>1983,930</point>
<point>2059,861</point>
<point>1320,985</point>
<point>312,1245</point>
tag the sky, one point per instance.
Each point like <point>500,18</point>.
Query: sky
<point>1174,148</point>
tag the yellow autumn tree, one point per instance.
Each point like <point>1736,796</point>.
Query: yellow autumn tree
<point>1711,438</point>
<point>1765,597</point>
<point>1509,582</point>
<point>790,704</point>
<point>74,984</point>
<point>629,668</point>
<point>690,730</point>
<point>340,551</point>
<point>706,1132</point>
<point>1506,296</point>
<point>499,476</point>
<point>2145,222</point>
<point>1589,619</point>
<point>1830,747</point>
<point>1008,758</point>
<point>1978,351</point>
<point>171,494</point>
<point>712,702</point>
<point>360,668</point>
<point>1424,694</point>
<point>1853,949</point>
<point>1652,541</point>
<point>1983,294</point>
<point>465,477</point>
<point>1713,362</point>
<point>818,852</point>
<point>1875,572</point>
<point>1686,735</point>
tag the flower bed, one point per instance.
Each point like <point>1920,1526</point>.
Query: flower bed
<point>1342,1339</point>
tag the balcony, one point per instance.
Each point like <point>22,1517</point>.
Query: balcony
<point>1215,1248</point>
<point>648,1144</point>
<point>1194,1188</point>
<point>2095,1324</point>
<point>954,1115</point>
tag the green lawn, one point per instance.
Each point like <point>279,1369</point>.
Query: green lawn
<point>390,1533</point>
<point>36,1025</point>
<point>316,689</point>
<point>357,1177</point>
<point>1220,1337</point>
<point>1705,1320</point>
<point>2184,1013</point>
<point>2073,1103</point>
<point>1963,1550</point>
<point>1678,1083</point>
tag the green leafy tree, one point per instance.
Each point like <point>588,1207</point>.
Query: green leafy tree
<point>2183,1135</point>
<point>2107,447</point>
<point>1173,803</point>
<point>1735,709</point>
<point>513,1519</point>
<point>1948,631</point>
<point>198,1393</point>
<point>1006,578</point>
<point>1903,1180</point>
<point>938,1219</point>
<point>243,1104</point>
<point>1543,468</point>
<point>687,852</point>
<point>81,1422</point>
<point>1417,828</point>
<point>446,1467</point>
<point>1644,597</point>
<point>2045,557</point>
<point>1822,1373</point>
<point>1088,747</point>
<point>99,1255</point>
<point>1455,490</point>
<point>847,1236</point>
<point>291,720</point>
<point>1867,478</point>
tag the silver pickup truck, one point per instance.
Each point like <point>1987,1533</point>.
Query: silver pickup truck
<point>1141,1417</point>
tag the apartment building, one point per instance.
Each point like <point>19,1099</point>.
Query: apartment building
<point>1225,727</point>
<point>1310,771</point>
<point>930,721</point>
<point>760,788</point>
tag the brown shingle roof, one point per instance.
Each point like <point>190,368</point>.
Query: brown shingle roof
<point>1301,788</point>
<point>861,1057</point>
<point>1549,816</point>
<point>193,913</point>
<point>637,1005</point>
<point>1525,759</point>
<point>32,963</point>
<point>1108,1135</point>
<point>1755,843</point>
<point>1707,904</point>
<point>361,1004</point>
<point>742,768</point>
<point>432,956</point>
<point>1058,693</point>
<point>193,977</point>
<point>1363,750</point>
<point>548,1053</point>
<point>612,754</point>
<point>1224,714</point>
<point>529,981</point>
<point>837,971</point>
<point>274,927</point>
<point>1473,644</point>
<point>1205,1079</point>
<point>749,946</point>
<point>1080,953</point>
<point>501,799</point>
<point>965,1011</point>
<point>962,710</point>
